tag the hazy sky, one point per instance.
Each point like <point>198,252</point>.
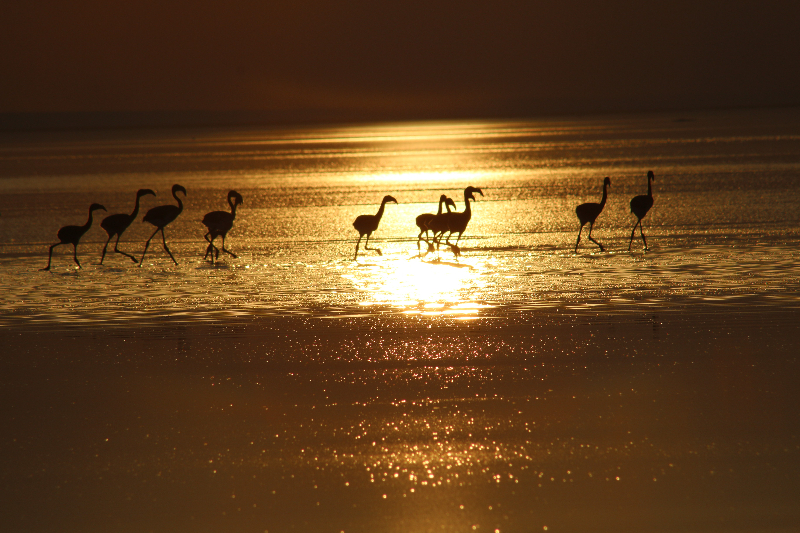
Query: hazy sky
<point>397,59</point>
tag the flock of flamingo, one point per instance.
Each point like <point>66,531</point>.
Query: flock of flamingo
<point>432,227</point>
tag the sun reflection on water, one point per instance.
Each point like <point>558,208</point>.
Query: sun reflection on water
<point>421,287</point>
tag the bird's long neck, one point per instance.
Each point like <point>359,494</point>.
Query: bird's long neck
<point>441,201</point>
<point>88,224</point>
<point>233,207</point>
<point>467,208</point>
<point>135,208</point>
<point>649,186</point>
<point>605,195</point>
<point>379,214</point>
<point>180,204</point>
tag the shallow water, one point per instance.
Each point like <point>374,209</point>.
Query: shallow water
<point>725,222</point>
<point>518,387</point>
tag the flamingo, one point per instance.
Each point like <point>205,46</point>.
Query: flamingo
<point>366,224</point>
<point>218,224</point>
<point>72,235</point>
<point>161,216</point>
<point>457,221</point>
<point>439,224</point>
<point>640,205</point>
<point>117,223</point>
<point>589,212</point>
<point>422,223</point>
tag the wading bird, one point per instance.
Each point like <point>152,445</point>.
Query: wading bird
<point>161,216</point>
<point>457,221</point>
<point>72,235</point>
<point>117,223</point>
<point>423,222</point>
<point>589,212</point>
<point>640,205</point>
<point>438,224</point>
<point>366,224</point>
<point>218,224</point>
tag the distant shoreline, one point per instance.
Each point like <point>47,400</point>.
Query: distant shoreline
<point>132,120</point>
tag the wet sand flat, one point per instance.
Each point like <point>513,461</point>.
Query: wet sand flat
<point>678,421</point>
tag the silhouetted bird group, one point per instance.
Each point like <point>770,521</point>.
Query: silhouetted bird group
<point>217,222</point>
<point>432,227</point>
<point>640,205</point>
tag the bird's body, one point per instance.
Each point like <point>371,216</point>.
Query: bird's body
<point>367,224</point>
<point>117,223</point>
<point>457,220</point>
<point>439,223</point>
<point>640,205</point>
<point>423,221</point>
<point>219,224</point>
<point>589,212</point>
<point>161,216</point>
<point>72,235</point>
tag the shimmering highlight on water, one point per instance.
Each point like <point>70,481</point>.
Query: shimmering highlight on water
<point>520,386</point>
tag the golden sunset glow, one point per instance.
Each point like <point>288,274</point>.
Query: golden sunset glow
<point>419,287</point>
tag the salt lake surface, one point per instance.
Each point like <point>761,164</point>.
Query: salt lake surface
<point>518,387</point>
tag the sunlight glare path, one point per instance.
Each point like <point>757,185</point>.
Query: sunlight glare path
<point>420,287</point>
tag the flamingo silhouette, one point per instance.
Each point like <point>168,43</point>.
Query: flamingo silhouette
<point>72,235</point>
<point>366,224</point>
<point>589,212</point>
<point>640,205</point>
<point>117,223</point>
<point>457,221</point>
<point>161,216</point>
<point>218,224</point>
<point>439,224</point>
<point>424,220</point>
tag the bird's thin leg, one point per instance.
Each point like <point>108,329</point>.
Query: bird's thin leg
<point>357,243</point>
<point>211,247</point>
<point>366,245</point>
<point>75,255</point>
<point>164,242</point>
<point>633,233</point>
<point>579,239</point>
<point>141,261</point>
<point>116,249</point>
<point>428,239</point>
<point>591,225</point>
<point>226,250</point>
<point>454,247</point>
<point>642,230</point>
<point>447,240</point>
<point>50,257</point>
<point>104,250</point>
